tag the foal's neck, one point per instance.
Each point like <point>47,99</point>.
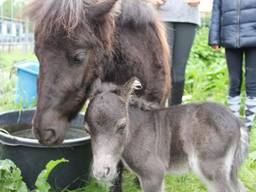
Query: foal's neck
<point>137,115</point>
<point>162,118</point>
<point>139,119</point>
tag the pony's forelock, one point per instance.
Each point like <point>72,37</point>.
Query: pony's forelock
<point>50,15</point>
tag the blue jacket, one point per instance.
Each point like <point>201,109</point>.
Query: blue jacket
<point>233,23</point>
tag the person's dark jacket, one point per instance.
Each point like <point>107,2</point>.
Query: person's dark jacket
<point>233,23</point>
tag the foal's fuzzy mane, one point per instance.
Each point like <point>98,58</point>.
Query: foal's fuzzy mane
<point>137,102</point>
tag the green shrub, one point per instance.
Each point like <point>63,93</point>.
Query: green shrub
<point>12,181</point>
<point>206,75</point>
<point>10,178</point>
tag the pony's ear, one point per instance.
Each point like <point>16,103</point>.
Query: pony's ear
<point>101,9</point>
<point>129,87</point>
<point>95,87</point>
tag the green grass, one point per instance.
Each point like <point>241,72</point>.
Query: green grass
<point>7,60</point>
<point>207,79</point>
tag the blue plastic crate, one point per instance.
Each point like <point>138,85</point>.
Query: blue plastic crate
<point>27,74</point>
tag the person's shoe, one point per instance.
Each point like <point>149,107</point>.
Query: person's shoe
<point>250,111</point>
<point>234,105</point>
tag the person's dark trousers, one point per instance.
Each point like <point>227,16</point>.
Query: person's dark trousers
<point>180,38</point>
<point>235,58</point>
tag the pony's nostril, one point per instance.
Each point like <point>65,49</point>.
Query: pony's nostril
<point>49,134</point>
<point>106,171</point>
<point>36,133</point>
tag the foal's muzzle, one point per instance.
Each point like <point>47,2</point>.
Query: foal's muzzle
<point>104,169</point>
<point>102,174</point>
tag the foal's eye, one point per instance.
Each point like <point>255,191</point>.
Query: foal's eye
<point>121,129</point>
<point>78,58</point>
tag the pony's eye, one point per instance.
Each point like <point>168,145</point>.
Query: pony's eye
<point>121,129</point>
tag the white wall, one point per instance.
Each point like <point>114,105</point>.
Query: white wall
<point>4,28</point>
<point>13,27</point>
<point>13,31</point>
<point>206,5</point>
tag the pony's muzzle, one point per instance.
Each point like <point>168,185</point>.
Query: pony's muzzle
<point>49,136</point>
<point>46,136</point>
<point>48,129</point>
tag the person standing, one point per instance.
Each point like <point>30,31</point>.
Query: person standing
<point>233,26</point>
<point>182,19</point>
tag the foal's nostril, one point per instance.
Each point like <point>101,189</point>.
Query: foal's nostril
<point>106,171</point>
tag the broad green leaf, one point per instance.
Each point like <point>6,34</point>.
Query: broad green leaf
<point>41,183</point>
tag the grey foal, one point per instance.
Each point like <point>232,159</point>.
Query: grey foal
<point>205,138</point>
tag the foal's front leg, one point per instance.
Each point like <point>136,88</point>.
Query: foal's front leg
<point>151,176</point>
<point>152,183</point>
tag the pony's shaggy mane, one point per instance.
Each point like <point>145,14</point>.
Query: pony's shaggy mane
<point>137,12</point>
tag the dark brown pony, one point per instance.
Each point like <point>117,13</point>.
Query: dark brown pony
<point>77,41</point>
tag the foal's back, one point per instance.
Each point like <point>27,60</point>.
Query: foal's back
<point>198,123</point>
<point>194,128</point>
<point>210,141</point>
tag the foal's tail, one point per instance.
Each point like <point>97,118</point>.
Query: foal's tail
<point>242,149</point>
<point>240,155</point>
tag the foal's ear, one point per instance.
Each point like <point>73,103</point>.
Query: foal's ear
<point>95,87</point>
<point>129,87</point>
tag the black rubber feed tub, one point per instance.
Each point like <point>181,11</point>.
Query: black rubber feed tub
<point>31,157</point>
